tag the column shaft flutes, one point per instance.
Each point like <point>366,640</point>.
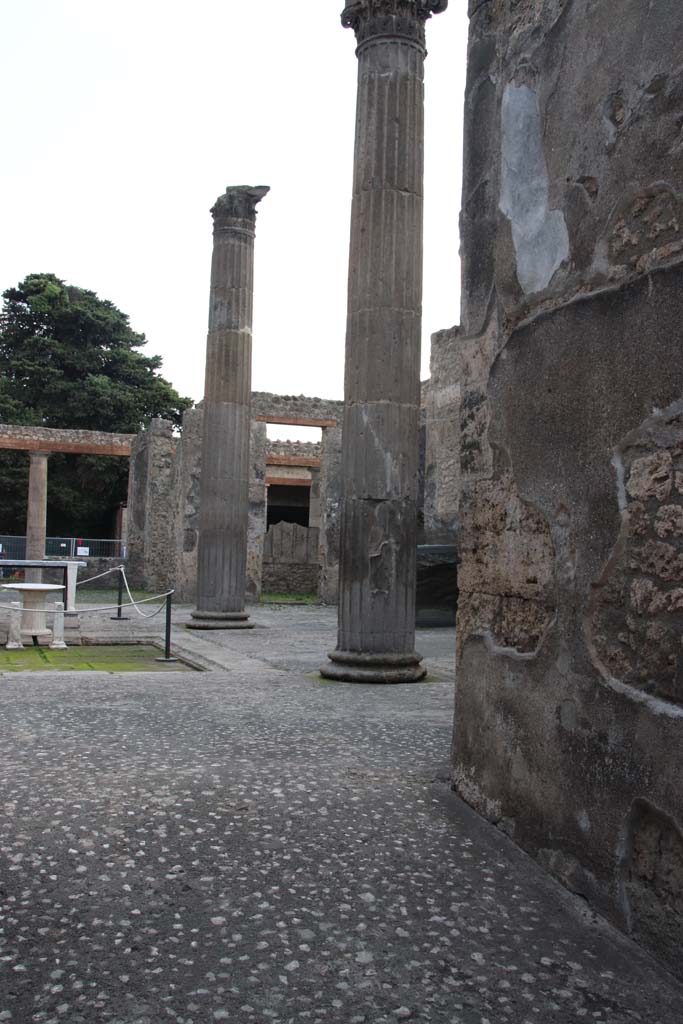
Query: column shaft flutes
<point>382,377</point>
<point>224,487</point>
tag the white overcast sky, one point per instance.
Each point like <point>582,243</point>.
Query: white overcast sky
<point>123,120</point>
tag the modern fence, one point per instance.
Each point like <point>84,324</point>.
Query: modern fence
<point>65,547</point>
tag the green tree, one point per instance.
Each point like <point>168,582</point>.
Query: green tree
<point>70,359</point>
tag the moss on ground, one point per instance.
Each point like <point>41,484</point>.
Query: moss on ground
<point>98,658</point>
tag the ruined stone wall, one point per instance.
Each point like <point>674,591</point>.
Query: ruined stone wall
<point>151,548</point>
<point>569,693</point>
<point>297,449</point>
<point>264,403</point>
<point>442,442</point>
<point>164,496</point>
<point>187,474</point>
<point>188,467</point>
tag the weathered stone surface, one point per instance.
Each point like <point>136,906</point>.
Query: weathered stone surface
<point>442,442</point>
<point>330,514</point>
<point>382,384</point>
<point>650,476</point>
<point>570,686</point>
<point>635,625</point>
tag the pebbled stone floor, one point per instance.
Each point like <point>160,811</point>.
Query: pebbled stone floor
<point>249,844</point>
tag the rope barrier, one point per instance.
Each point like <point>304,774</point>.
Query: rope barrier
<point>106,572</point>
<point>133,604</point>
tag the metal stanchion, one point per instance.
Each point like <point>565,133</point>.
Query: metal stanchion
<point>167,647</point>
<point>119,602</point>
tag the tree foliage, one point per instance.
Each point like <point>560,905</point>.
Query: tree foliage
<point>70,359</point>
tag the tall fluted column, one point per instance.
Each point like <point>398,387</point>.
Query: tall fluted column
<point>224,487</point>
<point>36,514</point>
<point>376,635</point>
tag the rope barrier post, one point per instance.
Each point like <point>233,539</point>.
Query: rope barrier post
<point>119,602</point>
<point>167,646</point>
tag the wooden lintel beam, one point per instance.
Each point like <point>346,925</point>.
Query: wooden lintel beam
<point>296,421</point>
<point>287,481</point>
<point>292,460</point>
<point>30,444</point>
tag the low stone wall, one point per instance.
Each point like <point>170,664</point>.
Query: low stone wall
<point>290,559</point>
<point>290,578</point>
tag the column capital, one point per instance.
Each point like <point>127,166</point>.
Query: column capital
<point>238,202</point>
<point>402,19</point>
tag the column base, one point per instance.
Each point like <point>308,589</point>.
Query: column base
<point>220,620</point>
<point>355,667</point>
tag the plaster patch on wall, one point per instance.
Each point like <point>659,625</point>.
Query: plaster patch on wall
<point>539,234</point>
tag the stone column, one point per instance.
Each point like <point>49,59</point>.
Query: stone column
<point>224,487</point>
<point>36,515</point>
<point>382,377</point>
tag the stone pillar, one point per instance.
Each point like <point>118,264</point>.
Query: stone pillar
<point>152,556</point>
<point>36,515</point>
<point>256,532</point>
<point>224,487</point>
<point>330,502</point>
<point>382,376</point>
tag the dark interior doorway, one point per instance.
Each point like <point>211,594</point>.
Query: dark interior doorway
<point>288,504</point>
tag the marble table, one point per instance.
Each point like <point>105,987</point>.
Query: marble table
<point>33,615</point>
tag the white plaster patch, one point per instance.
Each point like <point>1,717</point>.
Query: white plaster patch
<point>584,821</point>
<point>539,234</point>
<point>621,485</point>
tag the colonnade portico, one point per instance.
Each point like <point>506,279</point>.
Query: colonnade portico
<point>40,443</point>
